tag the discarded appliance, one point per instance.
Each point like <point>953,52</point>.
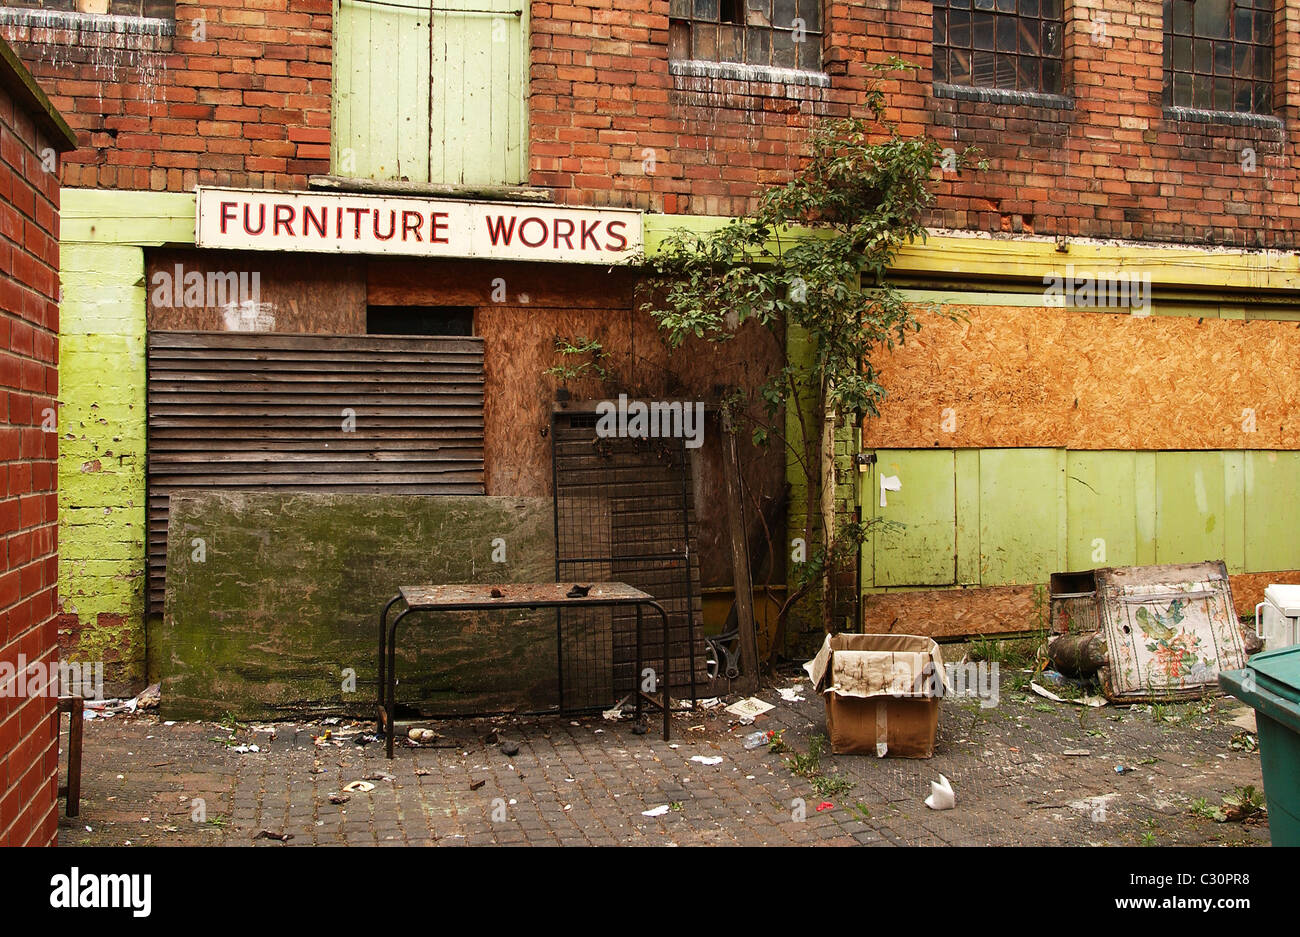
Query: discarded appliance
<point>881,692</point>
<point>1072,603</point>
<point>1160,632</point>
<point>1277,618</point>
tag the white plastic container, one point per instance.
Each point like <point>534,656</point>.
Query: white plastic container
<point>1277,618</point>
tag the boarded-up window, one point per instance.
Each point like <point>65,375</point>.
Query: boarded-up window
<point>431,91</point>
<point>309,412</point>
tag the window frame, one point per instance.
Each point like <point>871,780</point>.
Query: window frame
<point>742,33</point>
<point>1197,87</point>
<point>958,28</point>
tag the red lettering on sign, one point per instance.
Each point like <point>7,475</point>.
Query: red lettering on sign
<point>589,231</point>
<point>392,225</point>
<point>537,221</point>
<point>284,215</point>
<point>261,219</point>
<point>435,226</point>
<point>622,241</point>
<point>497,229</point>
<point>567,234</point>
<point>309,218</point>
<point>356,214</point>
<point>412,221</point>
<point>227,216</point>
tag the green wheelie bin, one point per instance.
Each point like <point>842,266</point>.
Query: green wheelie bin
<point>1270,683</point>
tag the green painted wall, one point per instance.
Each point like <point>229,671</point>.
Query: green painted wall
<point>996,517</point>
<point>102,456</point>
<point>806,615</point>
<point>102,494</point>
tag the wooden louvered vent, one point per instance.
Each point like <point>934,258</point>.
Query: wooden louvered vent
<point>354,413</point>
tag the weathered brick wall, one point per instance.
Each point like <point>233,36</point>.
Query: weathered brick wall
<point>1112,165</point>
<point>238,93</point>
<point>29,261</point>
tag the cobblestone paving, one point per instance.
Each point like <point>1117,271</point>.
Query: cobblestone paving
<point>587,781</point>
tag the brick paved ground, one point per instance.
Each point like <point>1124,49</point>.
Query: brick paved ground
<point>587,781</point>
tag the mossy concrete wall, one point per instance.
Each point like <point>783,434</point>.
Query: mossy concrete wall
<point>102,429</point>
<point>272,599</point>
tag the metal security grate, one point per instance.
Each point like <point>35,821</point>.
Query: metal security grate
<point>624,512</point>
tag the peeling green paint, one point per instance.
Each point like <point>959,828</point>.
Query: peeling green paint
<point>1041,510</point>
<point>102,455</point>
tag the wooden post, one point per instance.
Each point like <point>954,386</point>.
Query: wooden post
<point>75,707</point>
<point>741,576</point>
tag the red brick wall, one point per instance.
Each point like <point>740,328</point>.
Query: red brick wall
<point>249,105</point>
<point>240,95</point>
<point>1113,166</point>
<point>29,322</point>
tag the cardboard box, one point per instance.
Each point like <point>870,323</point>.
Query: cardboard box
<point>881,691</point>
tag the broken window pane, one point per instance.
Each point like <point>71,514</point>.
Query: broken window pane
<point>784,33</point>
<point>1021,36</point>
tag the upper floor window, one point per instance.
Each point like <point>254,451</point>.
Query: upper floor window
<point>1219,55</point>
<point>164,9</point>
<point>778,33</point>
<point>1010,44</point>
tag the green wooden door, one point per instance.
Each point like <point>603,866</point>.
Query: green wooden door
<point>918,545</point>
<point>1190,507</point>
<point>381,90</point>
<point>1272,510</point>
<point>431,91</point>
<point>1022,515</point>
<point>477,113</point>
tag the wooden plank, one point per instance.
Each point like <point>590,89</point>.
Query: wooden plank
<point>324,566</point>
<point>967,467</point>
<point>1189,507</point>
<point>1020,522</point>
<point>224,414</point>
<point>1272,511</point>
<point>918,544</point>
<point>742,573</point>
<point>1101,497</point>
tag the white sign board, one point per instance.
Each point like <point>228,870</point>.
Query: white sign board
<point>349,223</point>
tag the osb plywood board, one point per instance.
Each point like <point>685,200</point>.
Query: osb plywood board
<point>1024,376</point>
<point>291,292</point>
<point>951,613</point>
<point>1248,588</point>
<point>519,346</point>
